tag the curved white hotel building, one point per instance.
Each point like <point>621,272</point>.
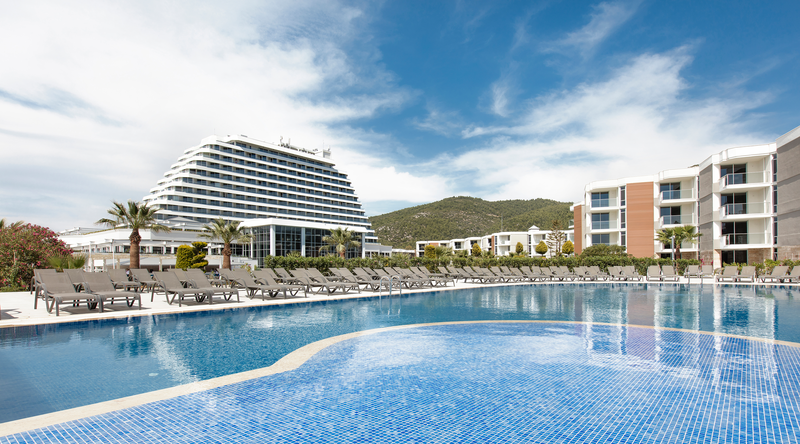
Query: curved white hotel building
<point>289,197</point>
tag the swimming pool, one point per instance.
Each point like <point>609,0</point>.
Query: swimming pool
<point>148,353</point>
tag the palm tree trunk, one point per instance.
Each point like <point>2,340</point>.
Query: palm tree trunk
<point>135,239</point>
<point>226,256</point>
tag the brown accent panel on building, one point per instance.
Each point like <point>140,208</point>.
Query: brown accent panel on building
<point>578,228</point>
<point>640,214</point>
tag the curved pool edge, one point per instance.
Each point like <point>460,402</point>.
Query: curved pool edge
<point>290,362</point>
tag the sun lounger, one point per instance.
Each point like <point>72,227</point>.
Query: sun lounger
<point>358,279</point>
<point>58,289</point>
<point>793,276</point>
<point>630,273</point>
<point>242,279</point>
<point>144,279</point>
<point>668,273</point>
<point>101,285</point>
<point>199,281</point>
<point>291,289</point>
<point>504,276</point>
<point>329,287</point>
<point>36,280</point>
<point>438,279</point>
<point>196,276</point>
<point>748,274</point>
<point>653,273</point>
<point>167,281</point>
<point>729,273</point>
<point>76,277</point>
<point>535,273</point>
<point>120,280</point>
<point>778,274</point>
<point>615,274</point>
<point>599,274</point>
<point>406,281</point>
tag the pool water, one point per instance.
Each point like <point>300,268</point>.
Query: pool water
<point>54,367</point>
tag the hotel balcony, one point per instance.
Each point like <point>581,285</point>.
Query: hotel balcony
<point>744,181</point>
<point>604,204</point>
<point>679,220</point>
<point>744,211</point>
<point>742,240</point>
<point>604,226</point>
<point>685,247</point>
<point>677,196</point>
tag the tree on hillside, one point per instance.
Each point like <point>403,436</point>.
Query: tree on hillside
<point>228,233</point>
<point>339,240</point>
<point>136,216</point>
<point>556,238</point>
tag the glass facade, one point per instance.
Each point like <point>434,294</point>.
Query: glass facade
<point>288,240</point>
<point>601,239</point>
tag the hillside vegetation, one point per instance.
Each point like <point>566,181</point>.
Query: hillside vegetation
<point>460,217</point>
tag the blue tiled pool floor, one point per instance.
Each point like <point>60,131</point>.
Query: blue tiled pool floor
<point>489,382</point>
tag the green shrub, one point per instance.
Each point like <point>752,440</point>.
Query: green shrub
<point>183,257</point>
<point>541,248</point>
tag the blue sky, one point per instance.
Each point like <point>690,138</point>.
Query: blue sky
<point>418,100</point>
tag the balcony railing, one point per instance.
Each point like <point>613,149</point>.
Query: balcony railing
<point>742,208</point>
<point>742,239</point>
<point>687,219</point>
<point>604,225</point>
<point>759,177</point>
<point>677,194</point>
<point>603,203</point>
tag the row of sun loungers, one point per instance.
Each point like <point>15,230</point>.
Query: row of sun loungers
<point>104,288</point>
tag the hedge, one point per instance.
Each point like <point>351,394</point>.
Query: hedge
<point>324,263</point>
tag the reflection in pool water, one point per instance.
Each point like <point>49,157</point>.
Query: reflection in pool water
<point>53,367</point>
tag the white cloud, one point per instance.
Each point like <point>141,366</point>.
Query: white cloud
<point>102,97</point>
<point>606,18</point>
<point>639,121</point>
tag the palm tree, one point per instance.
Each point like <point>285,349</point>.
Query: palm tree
<point>4,225</point>
<point>136,216</point>
<point>339,240</point>
<point>682,234</point>
<point>227,233</point>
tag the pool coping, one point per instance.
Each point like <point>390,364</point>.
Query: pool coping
<point>290,362</point>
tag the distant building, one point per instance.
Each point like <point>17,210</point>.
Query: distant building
<point>501,244</point>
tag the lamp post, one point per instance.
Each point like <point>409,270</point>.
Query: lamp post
<point>672,253</point>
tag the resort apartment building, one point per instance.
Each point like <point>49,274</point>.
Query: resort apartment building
<point>743,201</point>
<point>289,197</point>
<point>501,244</point>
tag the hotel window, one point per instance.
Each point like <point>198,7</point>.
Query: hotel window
<point>598,239</point>
<point>622,196</point>
<point>734,174</point>
<point>600,221</point>
<point>670,190</point>
<point>775,199</point>
<point>671,215</point>
<point>775,168</point>
<point>734,233</point>
<point>734,203</point>
<point>622,219</point>
<point>623,239</point>
<point>600,199</point>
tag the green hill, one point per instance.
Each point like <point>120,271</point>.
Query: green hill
<point>460,217</point>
